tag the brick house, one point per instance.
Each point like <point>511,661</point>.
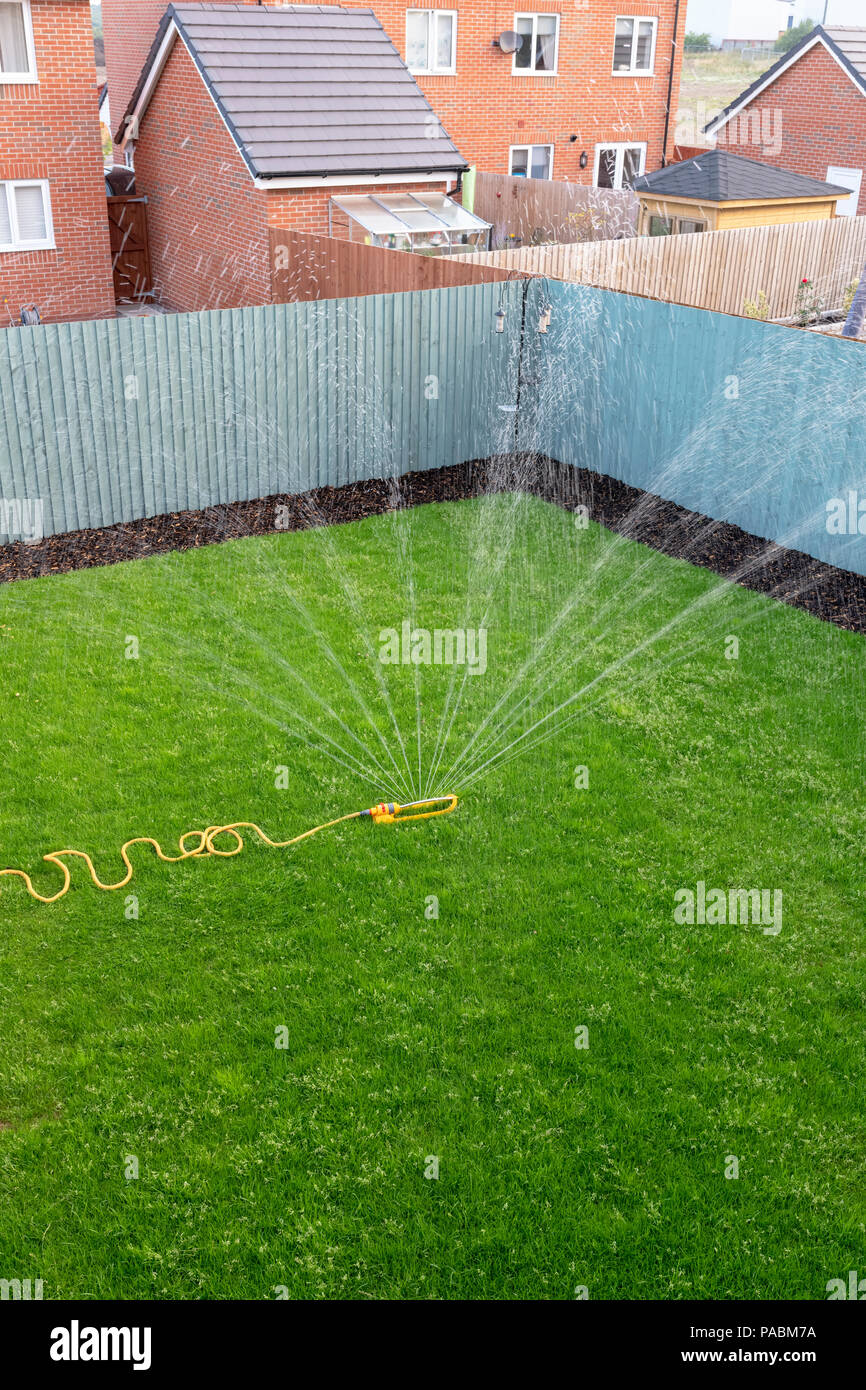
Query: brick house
<point>54,241</point>
<point>808,112</point>
<point>585,97</point>
<point>243,121</point>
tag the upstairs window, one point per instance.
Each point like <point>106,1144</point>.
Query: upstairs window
<point>431,40</point>
<point>17,57</point>
<point>25,216</point>
<point>539,41</point>
<point>634,47</point>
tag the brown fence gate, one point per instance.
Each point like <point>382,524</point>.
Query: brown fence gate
<point>130,253</point>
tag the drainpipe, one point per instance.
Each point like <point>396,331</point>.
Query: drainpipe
<point>670,86</point>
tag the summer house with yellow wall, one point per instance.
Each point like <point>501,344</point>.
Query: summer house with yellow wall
<point>715,191</point>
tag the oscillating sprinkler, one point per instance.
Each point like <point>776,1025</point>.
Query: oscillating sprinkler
<point>391,813</point>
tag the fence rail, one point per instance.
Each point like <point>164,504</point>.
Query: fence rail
<point>710,270</point>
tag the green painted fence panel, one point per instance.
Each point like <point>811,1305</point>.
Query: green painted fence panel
<point>112,421</point>
<point>745,422</point>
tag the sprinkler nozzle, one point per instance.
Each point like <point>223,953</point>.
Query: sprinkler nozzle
<point>391,812</point>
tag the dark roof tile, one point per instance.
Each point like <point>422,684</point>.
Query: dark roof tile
<point>276,72</point>
<point>719,176</point>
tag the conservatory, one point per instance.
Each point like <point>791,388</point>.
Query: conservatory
<point>429,223</point>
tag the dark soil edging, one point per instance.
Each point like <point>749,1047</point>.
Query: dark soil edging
<point>834,595</point>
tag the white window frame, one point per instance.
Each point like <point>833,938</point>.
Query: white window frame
<point>535,15</point>
<point>535,145</point>
<point>633,71</point>
<point>17,245</point>
<point>29,78</point>
<point>432,18</point>
<point>620,146</point>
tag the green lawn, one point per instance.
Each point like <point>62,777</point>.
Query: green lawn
<point>303,1167</point>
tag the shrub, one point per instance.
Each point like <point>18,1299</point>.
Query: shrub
<point>697,43</point>
<point>757,308</point>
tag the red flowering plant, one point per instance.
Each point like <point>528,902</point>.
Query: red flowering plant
<point>808,307</point>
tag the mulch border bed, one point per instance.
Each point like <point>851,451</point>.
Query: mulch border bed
<point>790,576</point>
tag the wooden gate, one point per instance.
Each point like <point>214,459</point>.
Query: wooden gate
<point>130,253</point>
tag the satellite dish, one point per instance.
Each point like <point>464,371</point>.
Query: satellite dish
<point>510,41</point>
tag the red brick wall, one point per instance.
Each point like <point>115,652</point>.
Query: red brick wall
<point>129,28</point>
<point>51,131</point>
<point>306,209</point>
<point>207,221</point>
<point>484,108</point>
<point>812,115</point>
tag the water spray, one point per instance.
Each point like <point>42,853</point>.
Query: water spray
<point>387,813</point>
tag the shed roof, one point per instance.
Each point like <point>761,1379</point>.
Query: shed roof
<point>306,90</point>
<point>719,176</point>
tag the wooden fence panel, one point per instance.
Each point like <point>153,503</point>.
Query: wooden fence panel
<point>232,404</point>
<point>719,271</point>
<point>306,267</point>
<point>532,211</point>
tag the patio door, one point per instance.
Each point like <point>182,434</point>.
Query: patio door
<point>618,165</point>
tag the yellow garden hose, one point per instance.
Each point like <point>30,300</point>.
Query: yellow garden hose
<point>389,813</point>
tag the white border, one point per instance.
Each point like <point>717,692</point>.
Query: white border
<point>619,145</point>
<point>705,227</point>
<point>434,72</point>
<point>48,244</point>
<point>532,145</point>
<point>636,72</point>
<point>537,72</point>
<point>30,78</point>
<point>132,122</point>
